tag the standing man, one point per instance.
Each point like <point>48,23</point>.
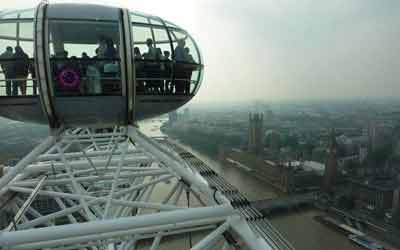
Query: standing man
<point>180,54</point>
<point>179,70</point>
<point>152,51</point>
<point>21,70</point>
<point>8,69</point>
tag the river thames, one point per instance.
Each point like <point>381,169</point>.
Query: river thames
<point>299,228</point>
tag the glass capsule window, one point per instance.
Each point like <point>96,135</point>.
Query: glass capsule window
<point>88,63</point>
<point>167,60</point>
<point>84,56</point>
<point>17,69</point>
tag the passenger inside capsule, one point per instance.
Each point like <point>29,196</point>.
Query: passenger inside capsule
<point>15,67</point>
<point>154,68</point>
<point>89,63</point>
<point>94,67</point>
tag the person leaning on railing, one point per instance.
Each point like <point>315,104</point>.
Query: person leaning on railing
<point>8,70</point>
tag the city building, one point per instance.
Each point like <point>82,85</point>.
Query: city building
<point>256,137</point>
<point>379,135</point>
<point>373,195</point>
<point>273,139</point>
<point>331,165</point>
<point>287,177</point>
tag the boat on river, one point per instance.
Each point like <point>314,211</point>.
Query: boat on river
<point>365,242</point>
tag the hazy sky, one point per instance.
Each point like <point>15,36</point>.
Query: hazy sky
<point>286,49</point>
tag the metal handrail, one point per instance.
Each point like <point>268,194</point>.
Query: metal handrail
<point>17,79</point>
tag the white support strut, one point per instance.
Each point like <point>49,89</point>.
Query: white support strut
<point>85,190</point>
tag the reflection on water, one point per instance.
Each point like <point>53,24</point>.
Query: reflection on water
<point>299,227</point>
<point>305,233</point>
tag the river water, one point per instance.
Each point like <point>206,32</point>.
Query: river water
<point>299,228</point>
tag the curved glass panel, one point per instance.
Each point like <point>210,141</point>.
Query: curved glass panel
<point>9,15</point>
<point>141,34</point>
<point>26,31</point>
<point>167,62</point>
<point>199,81</point>
<point>145,19</point>
<point>29,13</point>
<point>136,18</point>
<point>8,29</point>
<point>88,63</point>
<point>75,11</point>
<point>152,67</point>
<point>162,42</point>
<point>152,58</point>
<point>14,14</point>
<point>185,49</point>
<point>17,76</point>
<point>187,63</point>
<point>169,24</point>
<point>155,21</point>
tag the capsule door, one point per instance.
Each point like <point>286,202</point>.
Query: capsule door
<point>86,69</point>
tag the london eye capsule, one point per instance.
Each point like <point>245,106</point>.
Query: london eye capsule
<point>91,65</point>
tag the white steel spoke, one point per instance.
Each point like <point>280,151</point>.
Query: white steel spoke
<point>156,242</point>
<point>172,192</point>
<point>116,190</point>
<point>63,207</point>
<point>32,211</point>
<point>17,169</point>
<point>75,184</point>
<point>115,182</point>
<point>178,194</point>
<point>212,236</point>
<point>25,206</point>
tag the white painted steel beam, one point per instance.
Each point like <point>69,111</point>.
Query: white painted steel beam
<point>21,212</point>
<point>115,181</point>
<point>80,164</point>
<point>101,153</point>
<point>86,179</point>
<point>22,164</point>
<point>156,242</point>
<point>108,184</point>
<point>180,168</point>
<point>115,225</point>
<point>131,237</point>
<point>204,243</point>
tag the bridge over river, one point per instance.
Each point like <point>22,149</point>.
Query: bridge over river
<point>285,203</point>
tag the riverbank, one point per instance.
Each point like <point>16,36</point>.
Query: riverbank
<point>298,227</point>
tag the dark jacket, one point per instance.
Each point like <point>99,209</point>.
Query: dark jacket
<point>8,66</point>
<point>21,64</point>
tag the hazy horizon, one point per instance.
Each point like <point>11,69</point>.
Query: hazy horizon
<point>286,50</point>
